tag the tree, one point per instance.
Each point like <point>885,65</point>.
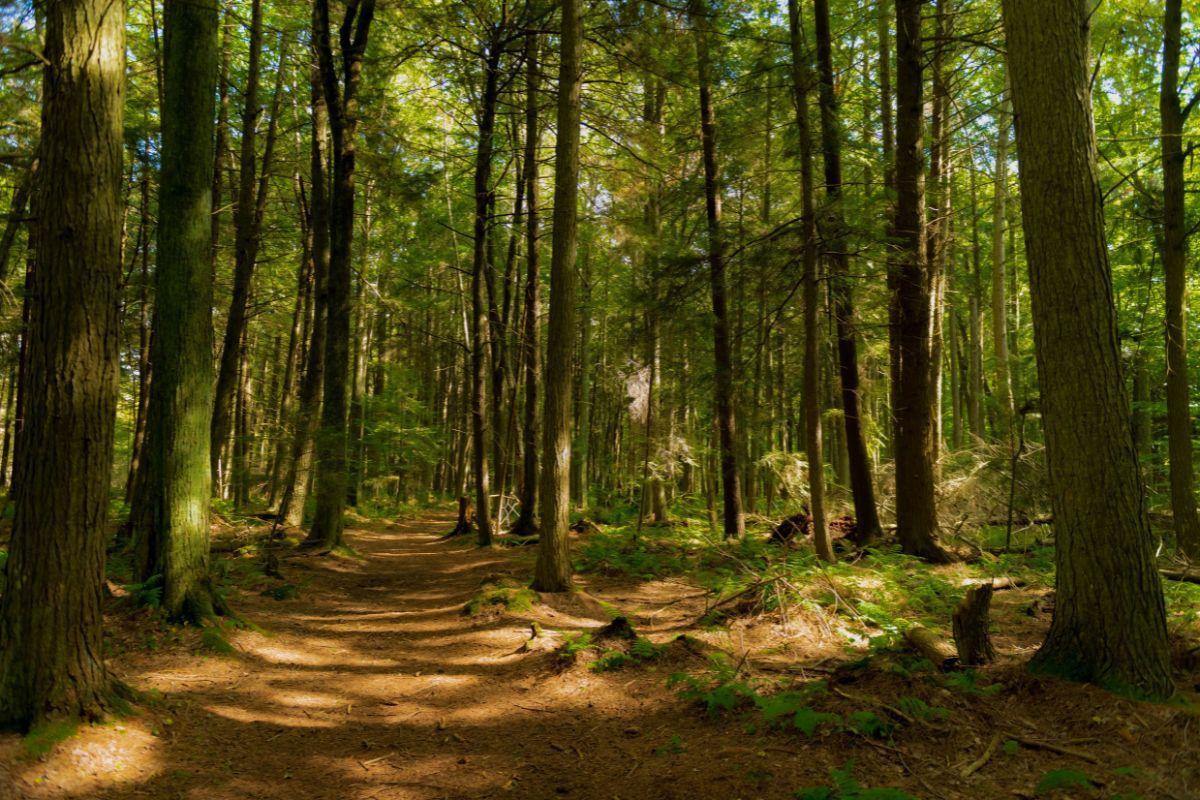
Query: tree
<point>912,399</point>
<point>1174,115</point>
<point>1109,624</point>
<point>341,99</point>
<point>1004,395</point>
<point>530,348</point>
<point>801,76</point>
<point>50,612</point>
<point>552,573</point>
<point>734,523</point>
<point>172,507</point>
<point>867,527</point>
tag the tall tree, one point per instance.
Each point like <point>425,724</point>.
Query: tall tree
<point>801,78</point>
<point>916,510</point>
<point>1003,385</point>
<point>50,611</point>
<point>341,98</point>
<point>734,523</point>
<point>245,250</point>
<point>1109,622</point>
<point>171,524</point>
<point>867,528</point>
<point>552,573</point>
<point>1174,115</point>
<point>527,521</point>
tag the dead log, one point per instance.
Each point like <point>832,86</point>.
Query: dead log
<point>997,584</point>
<point>937,650</point>
<point>971,627</point>
<point>1187,576</point>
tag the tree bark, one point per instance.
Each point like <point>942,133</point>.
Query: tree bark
<point>530,348</point>
<point>916,512</point>
<point>867,528</point>
<point>50,612</point>
<point>1109,622</point>
<point>734,523</point>
<point>1003,387</point>
<point>552,573</point>
<point>246,252</point>
<point>341,98</point>
<point>171,526</point>
<point>1173,116</point>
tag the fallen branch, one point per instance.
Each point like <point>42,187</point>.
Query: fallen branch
<point>940,652</point>
<point>1184,575</point>
<point>1035,744</point>
<point>980,762</point>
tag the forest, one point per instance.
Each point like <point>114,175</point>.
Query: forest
<point>601,399</point>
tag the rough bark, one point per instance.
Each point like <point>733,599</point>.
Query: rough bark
<point>552,572</point>
<point>51,659</point>
<point>1109,622</point>
<point>171,516</point>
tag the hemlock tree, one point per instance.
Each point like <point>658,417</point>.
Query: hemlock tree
<point>341,99</point>
<point>1174,114</point>
<point>171,524</point>
<point>912,398</point>
<point>552,572</point>
<point>50,612</point>
<point>1109,622</point>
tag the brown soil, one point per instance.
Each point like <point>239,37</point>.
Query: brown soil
<point>371,683</point>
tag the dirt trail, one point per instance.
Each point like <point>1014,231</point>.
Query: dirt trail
<point>371,683</point>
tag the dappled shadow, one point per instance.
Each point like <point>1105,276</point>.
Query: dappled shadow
<point>373,684</point>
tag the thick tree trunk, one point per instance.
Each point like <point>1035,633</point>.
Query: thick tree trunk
<point>1109,622</point>
<point>1174,255</point>
<point>341,97</point>
<point>50,612</point>
<point>552,572</point>
<point>171,525</point>
<point>801,79</point>
<point>916,512</point>
<point>734,523</point>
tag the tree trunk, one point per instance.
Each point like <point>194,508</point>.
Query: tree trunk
<point>527,521</point>
<point>916,512</point>
<point>50,612</point>
<point>552,572</point>
<point>801,78</point>
<point>1174,256</point>
<point>1003,382</point>
<point>867,528</point>
<point>171,515</point>
<point>246,252</point>
<point>1109,622</point>
<point>341,97</point>
<point>734,523</point>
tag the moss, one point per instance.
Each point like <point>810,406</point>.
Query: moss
<point>42,738</point>
<point>501,598</point>
<point>213,639</point>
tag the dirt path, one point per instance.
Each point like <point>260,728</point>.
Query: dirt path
<point>371,683</point>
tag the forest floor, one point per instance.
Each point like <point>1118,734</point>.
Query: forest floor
<point>364,678</point>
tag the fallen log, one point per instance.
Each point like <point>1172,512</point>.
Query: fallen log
<point>939,651</point>
<point>1187,576</point>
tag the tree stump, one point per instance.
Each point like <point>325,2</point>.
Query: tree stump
<point>971,627</point>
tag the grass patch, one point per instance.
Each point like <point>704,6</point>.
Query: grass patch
<point>213,640</point>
